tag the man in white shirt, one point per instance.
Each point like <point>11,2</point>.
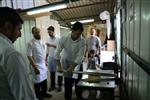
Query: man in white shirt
<point>73,46</point>
<point>14,80</point>
<point>51,47</point>
<point>36,51</point>
<point>93,43</point>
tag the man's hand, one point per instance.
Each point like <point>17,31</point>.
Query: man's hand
<point>37,71</point>
<point>50,45</point>
<point>70,68</point>
<point>59,68</point>
<point>69,71</point>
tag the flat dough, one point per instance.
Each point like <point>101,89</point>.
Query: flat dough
<point>93,79</point>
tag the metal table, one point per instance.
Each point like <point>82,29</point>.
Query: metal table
<point>106,85</point>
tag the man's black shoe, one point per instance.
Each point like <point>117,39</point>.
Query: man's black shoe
<point>51,89</point>
<point>59,89</point>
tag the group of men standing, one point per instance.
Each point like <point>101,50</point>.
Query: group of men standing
<point>72,45</point>
<point>73,48</point>
<point>13,70</point>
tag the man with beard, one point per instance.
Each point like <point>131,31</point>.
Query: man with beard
<point>14,79</point>
<point>51,47</point>
<point>36,55</point>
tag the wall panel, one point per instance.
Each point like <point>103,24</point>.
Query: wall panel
<point>8,3</point>
<point>145,30</point>
<point>19,4</point>
<point>131,35</point>
<point>135,81</point>
<point>143,85</point>
<point>130,80</point>
<point>124,67</point>
<point>127,27</point>
<point>137,28</point>
<point>3,3</point>
<point>148,89</point>
<point>43,23</point>
<point>14,4</point>
<point>21,43</point>
<point>124,34</point>
<point>138,42</point>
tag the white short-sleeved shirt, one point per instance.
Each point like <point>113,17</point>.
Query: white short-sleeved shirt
<point>73,51</point>
<point>37,50</point>
<point>14,80</point>
<point>51,50</point>
<point>92,43</point>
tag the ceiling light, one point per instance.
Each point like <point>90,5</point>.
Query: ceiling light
<point>64,27</point>
<point>84,21</point>
<point>47,9</point>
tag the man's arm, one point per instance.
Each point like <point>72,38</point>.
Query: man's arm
<point>51,45</point>
<point>86,53</point>
<point>98,45</point>
<point>33,65</point>
<point>18,79</point>
<point>47,54</point>
<point>59,67</point>
<point>80,55</point>
<point>71,67</point>
<point>59,49</point>
<point>30,58</point>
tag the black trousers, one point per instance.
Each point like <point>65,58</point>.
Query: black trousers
<point>52,76</point>
<point>60,79</point>
<point>40,88</point>
<point>68,83</point>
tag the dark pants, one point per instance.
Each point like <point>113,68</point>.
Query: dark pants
<point>52,76</point>
<point>68,88</point>
<point>68,83</point>
<point>40,88</point>
<point>60,79</point>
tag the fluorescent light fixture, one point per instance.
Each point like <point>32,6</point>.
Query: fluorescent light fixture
<point>47,9</point>
<point>64,27</point>
<point>84,21</point>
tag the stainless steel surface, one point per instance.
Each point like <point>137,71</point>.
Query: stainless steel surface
<point>97,86</point>
<point>97,72</point>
